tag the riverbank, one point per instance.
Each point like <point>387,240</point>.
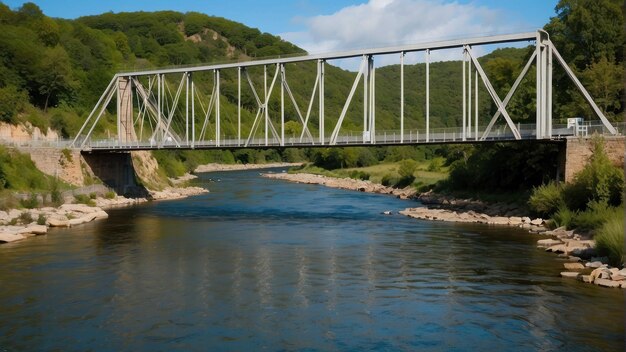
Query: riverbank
<point>19,224</point>
<point>343,183</point>
<point>577,249</point>
<point>239,167</point>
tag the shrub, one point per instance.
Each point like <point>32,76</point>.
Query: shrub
<point>41,220</point>
<point>563,217</point>
<point>594,217</point>
<point>359,175</point>
<point>55,192</point>
<point>93,195</point>
<point>389,180</point>
<point>610,240</point>
<point>26,218</point>
<point>109,195</point>
<point>84,199</point>
<point>546,199</point>
<point>435,165</point>
<point>598,181</point>
<point>31,202</point>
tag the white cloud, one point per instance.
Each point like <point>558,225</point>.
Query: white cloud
<point>380,23</point>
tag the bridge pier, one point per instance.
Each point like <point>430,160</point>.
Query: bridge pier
<point>575,152</point>
<point>117,172</point>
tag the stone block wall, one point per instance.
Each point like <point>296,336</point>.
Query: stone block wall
<point>577,151</point>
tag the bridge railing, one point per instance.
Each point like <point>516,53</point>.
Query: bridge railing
<point>347,138</point>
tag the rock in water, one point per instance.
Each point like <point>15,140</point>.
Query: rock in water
<point>573,266</point>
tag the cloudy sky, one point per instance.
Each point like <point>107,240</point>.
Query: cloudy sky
<point>321,26</point>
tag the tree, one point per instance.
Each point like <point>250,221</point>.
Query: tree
<point>54,75</point>
<point>12,101</point>
<point>604,80</point>
<point>587,32</point>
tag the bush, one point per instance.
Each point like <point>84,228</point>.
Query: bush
<point>546,200</point>
<point>598,181</point>
<point>31,202</point>
<point>26,218</point>
<point>93,195</point>
<point>389,180</point>
<point>610,240</point>
<point>55,192</point>
<point>435,165</point>
<point>41,220</point>
<point>594,217</point>
<point>359,175</point>
<point>563,217</point>
<point>109,195</point>
<point>84,199</point>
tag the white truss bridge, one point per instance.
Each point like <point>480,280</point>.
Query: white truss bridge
<point>163,109</point>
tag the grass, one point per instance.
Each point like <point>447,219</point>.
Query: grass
<point>376,173</point>
<point>610,239</point>
<point>422,175</point>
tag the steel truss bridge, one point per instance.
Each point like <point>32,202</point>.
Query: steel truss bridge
<point>154,113</point>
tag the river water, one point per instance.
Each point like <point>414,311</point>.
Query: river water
<point>262,264</point>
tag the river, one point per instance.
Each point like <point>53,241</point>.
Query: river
<point>261,264</point>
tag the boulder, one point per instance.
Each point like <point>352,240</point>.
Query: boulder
<point>548,242</point>
<point>570,274</point>
<point>37,229</point>
<point>618,277</point>
<point>536,222</point>
<point>526,220</point>
<point>595,264</point>
<point>586,278</point>
<point>606,282</point>
<point>573,266</point>
<point>56,222</point>
<point>10,237</point>
<point>559,248</point>
<point>101,215</point>
<point>574,258</point>
<point>79,208</point>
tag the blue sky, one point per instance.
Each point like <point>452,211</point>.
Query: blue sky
<point>329,25</point>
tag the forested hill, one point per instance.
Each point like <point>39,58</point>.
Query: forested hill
<point>52,71</point>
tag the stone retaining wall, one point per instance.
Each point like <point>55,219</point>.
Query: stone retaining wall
<point>576,152</point>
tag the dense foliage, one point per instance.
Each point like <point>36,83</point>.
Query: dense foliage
<point>590,36</point>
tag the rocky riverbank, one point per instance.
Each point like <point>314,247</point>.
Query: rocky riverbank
<point>16,224</point>
<point>576,249</point>
<point>238,167</point>
<point>342,183</point>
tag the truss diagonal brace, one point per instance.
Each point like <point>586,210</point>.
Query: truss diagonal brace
<point>582,89</point>
<point>509,95</point>
<point>333,137</point>
<point>493,94</point>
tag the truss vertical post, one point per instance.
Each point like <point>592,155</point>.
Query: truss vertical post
<point>370,68</point>
<point>239,105</point>
<point>549,91</point>
<point>159,102</point>
<point>427,95</point>
<point>366,75</point>
<point>539,83</point>
<point>320,71</point>
<point>265,102</point>
<point>475,105</point>
<point>282,104</point>
<point>402,97</point>
<point>218,130</point>
<point>187,108</point>
<point>464,92</point>
<point>469,99</point>
<point>193,114</point>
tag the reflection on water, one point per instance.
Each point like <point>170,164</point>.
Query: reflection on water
<point>261,264</point>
